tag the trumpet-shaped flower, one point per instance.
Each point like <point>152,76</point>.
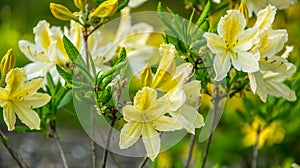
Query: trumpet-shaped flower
<point>133,37</point>
<point>232,45</point>
<point>19,97</point>
<point>270,79</point>
<point>47,51</point>
<point>145,118</point>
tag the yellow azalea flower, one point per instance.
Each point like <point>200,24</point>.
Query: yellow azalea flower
<point>182,98</point>
<point>273,69</point>
<point>134,37</point>
<point>232,45</point>
<point>270,79</point>
<point>270,134</point>
<point>19,97</point>
<point>145,118</point>
<point>47,51</point>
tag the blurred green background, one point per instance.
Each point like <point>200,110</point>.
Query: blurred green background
<point>18,17</point>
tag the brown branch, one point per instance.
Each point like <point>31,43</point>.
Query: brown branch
<point>12,152</point>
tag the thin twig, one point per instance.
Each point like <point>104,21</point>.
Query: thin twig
<point>216,101</point>
<point>12,152</point>
<point>61,151</point>
<point>114,159</point>
<point>95,28</point>
<point>105,152</point>
<point>93,144</point>
<point>255,149</point>
<point>190,154</point>
<point>144,161</point>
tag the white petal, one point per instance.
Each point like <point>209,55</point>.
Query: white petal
<point>151,141</point>
<point>246,62</point>
<point>166,123</point>
<point>176,99</point>
<point>130,113</point>
<point>27,116</point>
<point>278,89</point>
<point>130,133</point>
<point>246,40</point>
<point>193,92</point>
<point>138,58</point>
<point>9,116</point>
<point>222,65</point>
<point>261,89</point>
<point>215,43</point>
<point>42,34</point>
<point>265,17</point>
<point>37,69</point>
<point>33,52</point>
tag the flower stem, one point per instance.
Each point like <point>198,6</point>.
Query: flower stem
<point>12,152</point>
<point>255,149</point>
<point>105,152</point>
<point>192,143</point>
<point>144,161</point>
<point>61,151</point>
<point>216,100</point>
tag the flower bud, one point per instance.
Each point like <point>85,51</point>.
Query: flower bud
<point>80,4</point>
<point>61,12</point>
<point>146,76</point>
<point>106,9</point>
<point>244,10</point>
<point>7,63</point>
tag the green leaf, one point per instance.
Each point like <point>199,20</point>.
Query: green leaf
<point>204,14</point>
<point>71,50</point>
<point>122,55</point>
<point>67,77</point>
<point>99,2</point>
<point>66,99</point>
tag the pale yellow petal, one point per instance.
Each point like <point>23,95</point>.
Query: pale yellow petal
<point>145,98</point>
<point>27,116</point>
<point>231,25</point>
<point>36,100</point>
<point>176,100</point>
<point>265,17</point>
<point>9,116</point>
<point>14,79</point>
<point>42,34</point>
<point>28,88</point>
<point>188,118</point>
<point>166,123</point>
<point>130,113</point>
<point>193,92</point>
<point>130,133</point>
<point>151,141</point>
<point>278,89</point>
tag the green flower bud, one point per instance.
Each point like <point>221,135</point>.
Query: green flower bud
<point>106,9</point>
<point>7,63</point>
<point>61,12</point>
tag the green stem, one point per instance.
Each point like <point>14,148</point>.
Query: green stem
<point>144,161</point>
<point>12,152</point>
<point>105,152</point>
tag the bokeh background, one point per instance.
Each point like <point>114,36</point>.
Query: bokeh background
<point>228,149</point>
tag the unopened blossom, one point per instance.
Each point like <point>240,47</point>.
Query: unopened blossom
<point>19,97</point>
<point>232,45</point>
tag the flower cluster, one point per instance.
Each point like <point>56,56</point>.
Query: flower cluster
<point>253,50</point>
<point>175,109</point>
